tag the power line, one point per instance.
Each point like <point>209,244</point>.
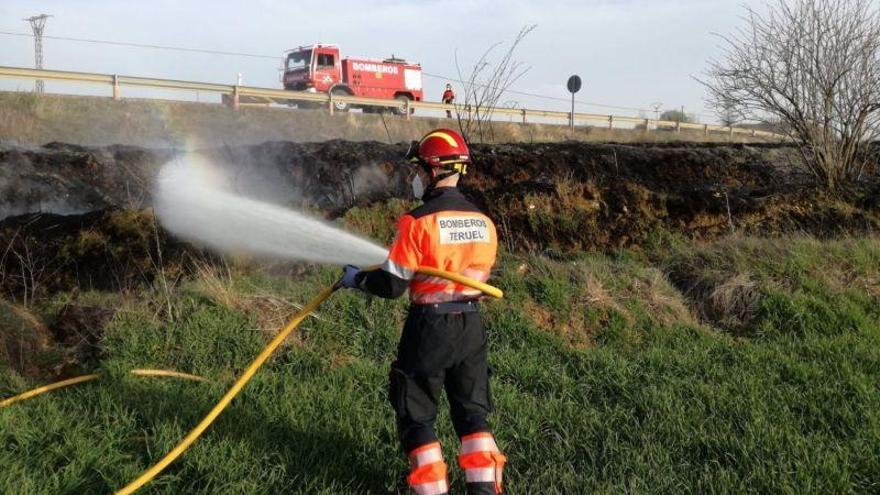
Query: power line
<point>557,98</point>
<point>142,45</point>
<point>535,95</point>
<point>275,57</point>
<point>254,55</point>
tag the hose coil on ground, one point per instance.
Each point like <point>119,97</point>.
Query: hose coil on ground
<point>245,377</point>
<point>88,378</point>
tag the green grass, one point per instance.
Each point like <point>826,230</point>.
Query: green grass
<point>603,380</point>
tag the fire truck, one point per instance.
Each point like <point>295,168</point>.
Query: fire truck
<point>320,68</point>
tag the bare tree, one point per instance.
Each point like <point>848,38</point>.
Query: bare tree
<point>813,66</point>
<point>485,85</point>
<point>728,113</point>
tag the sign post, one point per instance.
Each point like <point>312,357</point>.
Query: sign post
<point>574,85</point>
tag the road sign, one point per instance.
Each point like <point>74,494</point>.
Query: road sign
<point>574,84</point>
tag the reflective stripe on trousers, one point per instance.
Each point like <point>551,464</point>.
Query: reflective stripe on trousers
<point>481,460</point>
<point>427,474</point>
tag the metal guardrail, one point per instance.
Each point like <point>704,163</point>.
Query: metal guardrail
<point>236,96</point>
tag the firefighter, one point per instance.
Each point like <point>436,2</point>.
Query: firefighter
<point>443,345</point>
<point>448,98</point>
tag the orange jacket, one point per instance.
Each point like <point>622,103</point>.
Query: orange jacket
<point>448,96</point>
<point>447,232</point>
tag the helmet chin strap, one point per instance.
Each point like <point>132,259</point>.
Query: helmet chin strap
<point>449,171</point>
<point>442,176</point>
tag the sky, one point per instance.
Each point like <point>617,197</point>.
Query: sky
<point>629,53</point>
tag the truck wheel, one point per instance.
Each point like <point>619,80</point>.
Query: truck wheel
<point>377,110</point>
<point>340,106</point>
<point>401,109</point>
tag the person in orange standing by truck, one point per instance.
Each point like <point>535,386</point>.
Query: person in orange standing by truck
<point>443,345</point>
<point>448,98</point>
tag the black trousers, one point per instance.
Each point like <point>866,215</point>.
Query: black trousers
<point>440,351</point>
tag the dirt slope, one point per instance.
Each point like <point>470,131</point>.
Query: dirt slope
<point>558,197</point>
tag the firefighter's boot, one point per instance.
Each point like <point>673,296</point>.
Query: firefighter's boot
<point>427,475</point>
<point>482,463</point>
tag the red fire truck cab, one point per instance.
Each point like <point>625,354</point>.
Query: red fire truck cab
<point>319,68</point>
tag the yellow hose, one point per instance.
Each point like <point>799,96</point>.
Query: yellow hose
<point>460,279</point>
<point>87,378</point>
<point>261,358</point>
<point>227,398</point>
<point>169,374</point>
<point>47,388</point>
<point>454,277</point>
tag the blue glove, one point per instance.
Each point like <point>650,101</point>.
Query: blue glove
<point>347,280</point>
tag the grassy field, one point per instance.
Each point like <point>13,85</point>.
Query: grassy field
<point>746,365</point>
<point>27,118</point>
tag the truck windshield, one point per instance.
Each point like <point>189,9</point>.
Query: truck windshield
<point>299,60</point>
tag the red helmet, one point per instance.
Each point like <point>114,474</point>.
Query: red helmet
<point>443,148</point>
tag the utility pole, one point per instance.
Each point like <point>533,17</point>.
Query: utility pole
<point>657,106</point>
<point>38,22</point>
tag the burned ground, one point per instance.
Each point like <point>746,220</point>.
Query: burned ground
<point>596,197</point>
<point>79,217</point>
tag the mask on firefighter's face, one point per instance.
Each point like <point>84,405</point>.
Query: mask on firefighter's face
<point>418,187</point>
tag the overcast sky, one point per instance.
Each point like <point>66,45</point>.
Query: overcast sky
<point>629,53</point>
